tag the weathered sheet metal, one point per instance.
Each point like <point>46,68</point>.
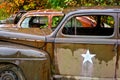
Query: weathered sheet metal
<point>34,63</point>
<point>72,56</point>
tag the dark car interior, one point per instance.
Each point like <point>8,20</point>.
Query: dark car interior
<point>104,26</point>
<point>37,22</point>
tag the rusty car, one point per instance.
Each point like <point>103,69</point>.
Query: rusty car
<point>72,51</point>
<point>12,20</point>
<point>40,18</point>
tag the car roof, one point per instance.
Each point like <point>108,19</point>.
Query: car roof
<point>93,9</point>
<point>45,12</point>
<point>54,12</point>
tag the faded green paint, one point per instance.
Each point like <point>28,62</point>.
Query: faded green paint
<point>70,62</point>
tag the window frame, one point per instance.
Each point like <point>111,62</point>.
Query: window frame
<point>88,14</point>
<point>46,17</point>
<point>119,25</point>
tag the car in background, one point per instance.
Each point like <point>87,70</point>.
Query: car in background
<point>12,20</point>
<point>39,22</point>
<point>40,19</point>
<point>9,20</point>
<point>49,18</point>
<point>18,16</point>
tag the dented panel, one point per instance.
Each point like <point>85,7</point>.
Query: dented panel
<point>27,59</point>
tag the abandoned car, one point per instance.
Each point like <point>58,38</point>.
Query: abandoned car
<point>12,20</point>
<point>40,18</point>
<point>75,50</point>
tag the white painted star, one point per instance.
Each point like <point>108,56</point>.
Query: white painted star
<point>87,57</point>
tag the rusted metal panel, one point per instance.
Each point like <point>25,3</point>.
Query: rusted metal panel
<point>49,13</point>
<point>34,63</point>
<point>32,69</point>
<point>33,31</point>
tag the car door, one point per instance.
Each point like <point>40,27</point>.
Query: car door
<point>85,46</point>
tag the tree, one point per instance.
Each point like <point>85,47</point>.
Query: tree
<point>12,6</point>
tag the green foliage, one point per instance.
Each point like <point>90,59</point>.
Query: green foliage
<point>56,3</point>
<point>16,5</point>
<point>3,14</point>
<point>80,3</point>
<point>56,20</point>
<point>61,4</point>
<point>29,6</point>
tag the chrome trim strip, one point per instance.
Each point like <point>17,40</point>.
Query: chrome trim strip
<point>22,59</point>
<point>85,40</point>
<point>82,78</point>
<point>21,36</point>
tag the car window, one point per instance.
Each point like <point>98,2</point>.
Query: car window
<point>25,23</point>
<point>38,22</point>
<point>35,22</point>
<point>92,25</point>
